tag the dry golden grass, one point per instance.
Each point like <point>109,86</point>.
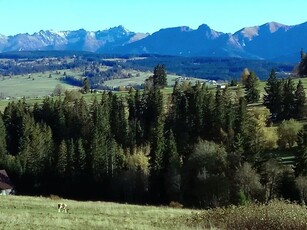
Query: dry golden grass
<point>276,215</point>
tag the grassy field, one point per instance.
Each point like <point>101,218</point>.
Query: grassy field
<point>21,212</point>
<point>33,86</point>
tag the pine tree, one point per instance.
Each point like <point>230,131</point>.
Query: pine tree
<point>195,120</point>
<point>101,133</point>
<point>160,76</point>
<point>219,115</point>
<point>86,85</point>
<point>70,159</point>
<point>273,99</point>
<point>13,120</point>
<point>171,168</point>
<point>118,120</point>
<point>61,166</point>
<point>154,123</point>
<point>288,100</point>
<point>301,153</point>
<point>80,158</point>
<point>157,143</point>
<point>302,68</point>
<point>115,158</point>
<point>36,148</point>
<point>78,120</point>
<point>208,114</point>
<point>254,136</point>
<point>234,159</point>
<point>240,121</point>
<point>251,86</point>
<point>244,76</point>
<point>59,128</point>
<point>229,116</point>
<point>132,119</point>
<point>3,151</point>
<point>180,120</point>
<point>140,109</point>
<point>300,100</point>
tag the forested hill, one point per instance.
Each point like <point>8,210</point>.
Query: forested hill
<point>209,67</point>
<point>197,146</point>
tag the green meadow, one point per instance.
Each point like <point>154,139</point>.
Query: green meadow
<point>30,86</point>
<point>23,212</point>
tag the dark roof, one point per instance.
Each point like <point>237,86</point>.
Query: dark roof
<point>5,182</point>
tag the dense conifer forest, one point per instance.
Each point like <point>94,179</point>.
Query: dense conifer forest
<point>197,146</point>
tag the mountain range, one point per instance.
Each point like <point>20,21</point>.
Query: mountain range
<point>271,41</point>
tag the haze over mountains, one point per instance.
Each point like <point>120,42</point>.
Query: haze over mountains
<point>271,41</point>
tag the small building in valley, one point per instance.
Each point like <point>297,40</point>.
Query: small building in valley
<point>220,86</point>
<point>6,186</point>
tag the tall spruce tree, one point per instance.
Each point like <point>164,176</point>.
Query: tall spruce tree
<point>61,161</point>
<point>171,168</point>
<point>208,114</point>
<point>71,159</point>
<point>273,99</point>
<point>118,120</point>
<point>301,153</point>
<point>288,99</point>
<point>155,114</point>
<point>302,68</point>
<point>196,98</point>
<point>219,115</point>
<point>251,86</point>
<point>160,76</point>
<point>229,117</point>
<point>80,159</point>
<point>132,119</point>
<point>3,151</point>
<point>240,121</point>
<point>13,120</point>
<point>86,85</point>
<point>300,100</point>
<point>244,76</point>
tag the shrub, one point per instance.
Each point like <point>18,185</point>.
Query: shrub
<point>55,197</point>
<point>275,215</point>
<point>174,204</point>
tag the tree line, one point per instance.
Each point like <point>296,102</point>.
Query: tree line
<point>197,146</point>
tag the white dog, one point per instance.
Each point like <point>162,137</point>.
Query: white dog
<point>62,207</point>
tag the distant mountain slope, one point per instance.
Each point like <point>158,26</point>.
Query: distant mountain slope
<point>270,41</point>
<point>273,40</point>
<point>80,40</point>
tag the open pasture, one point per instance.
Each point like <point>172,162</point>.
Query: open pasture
<point>22,212</point>
<point>30,86</point>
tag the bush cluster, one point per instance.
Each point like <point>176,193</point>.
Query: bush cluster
<point>275,215</point>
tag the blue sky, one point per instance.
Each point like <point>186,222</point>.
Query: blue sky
<point>21,16</point>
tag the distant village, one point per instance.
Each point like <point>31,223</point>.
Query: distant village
<point>218,84</point>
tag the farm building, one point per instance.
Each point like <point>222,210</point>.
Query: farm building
<point>6,186</point>
<point>220,86</point>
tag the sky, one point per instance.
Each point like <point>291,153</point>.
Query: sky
<point>228,16</point>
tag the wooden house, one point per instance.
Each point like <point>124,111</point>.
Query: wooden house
<point>6,186</point>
